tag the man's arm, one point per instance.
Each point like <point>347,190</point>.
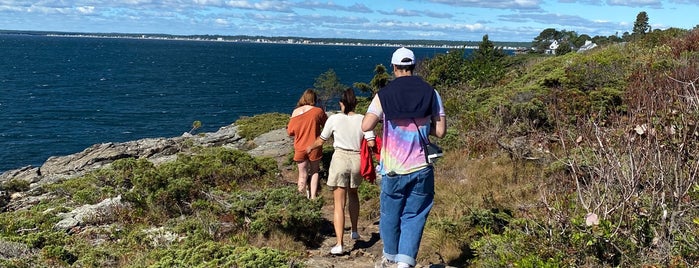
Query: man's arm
<point>439,126</point>
<point>369,122</point>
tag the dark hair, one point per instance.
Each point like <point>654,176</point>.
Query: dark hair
<point>410,67</point>
<point>349,100</point>
<point>308,98</point>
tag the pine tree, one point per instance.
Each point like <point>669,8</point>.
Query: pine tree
<point>328,87</point>
<point>486,64</point>
<point>380,80</point>
<point>641,25</point>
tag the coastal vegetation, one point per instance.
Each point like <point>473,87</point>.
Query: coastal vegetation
<point>582,159</point>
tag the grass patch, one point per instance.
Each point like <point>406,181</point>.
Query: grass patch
<point>252,127</point>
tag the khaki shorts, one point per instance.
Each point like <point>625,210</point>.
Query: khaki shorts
<point>344,170</point>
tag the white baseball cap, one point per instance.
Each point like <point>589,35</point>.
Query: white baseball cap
<point>403,56</point>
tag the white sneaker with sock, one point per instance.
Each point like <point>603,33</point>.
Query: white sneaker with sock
<point>384,263</point>
<point>336,250</point>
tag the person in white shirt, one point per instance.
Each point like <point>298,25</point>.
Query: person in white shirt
<point>344,175</point>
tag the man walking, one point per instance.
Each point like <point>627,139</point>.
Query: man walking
<point>411,110</point>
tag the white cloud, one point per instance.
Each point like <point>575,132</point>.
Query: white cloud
<point>279,6</point>
<point>358,8</point>
<point>687,2</point>
<point>209,2</point>
<point>86,9</point>
<point>499,4</point>
<point>416,13</point>
<point>636,3</point>
<point>590,2</point>
<point>406,13</point>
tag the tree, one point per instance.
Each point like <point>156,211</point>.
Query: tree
<point>328,87</point>
<point>486,64</point>
<point>444,70</point>
<point>487,51</point>
<point>546,37</point>
<point>380,80</point>
<point>563,48</point>
<point>641,25</point>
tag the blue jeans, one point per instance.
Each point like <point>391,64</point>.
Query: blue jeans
<point>406,200</point>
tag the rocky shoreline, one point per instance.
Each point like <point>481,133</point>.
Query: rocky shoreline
<point>274,144</point>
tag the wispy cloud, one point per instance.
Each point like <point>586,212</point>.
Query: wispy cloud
<point>500,4</point>
<point>358,8</point>
<point>402,12</point>
<point>636,3</point>
<point>589,2</point>
<point>278,6</point>
<point>417,13</point>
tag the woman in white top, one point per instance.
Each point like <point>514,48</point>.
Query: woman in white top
<point>343,175</point>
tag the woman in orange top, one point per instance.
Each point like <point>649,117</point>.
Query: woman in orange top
<point>305,124</point>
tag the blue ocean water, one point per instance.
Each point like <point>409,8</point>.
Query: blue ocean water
<point>60,95</point>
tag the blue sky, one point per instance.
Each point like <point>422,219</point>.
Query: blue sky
<point>465,20</point>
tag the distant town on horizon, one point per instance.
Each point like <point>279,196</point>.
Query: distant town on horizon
<point>280,39</point>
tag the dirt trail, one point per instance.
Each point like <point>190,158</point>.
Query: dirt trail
<point>358,253</point>
<point>361,253</point>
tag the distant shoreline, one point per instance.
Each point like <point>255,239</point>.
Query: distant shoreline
<point>271,40</point>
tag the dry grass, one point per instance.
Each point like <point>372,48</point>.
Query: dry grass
<point>466,184</point>
<point>463,183</point>
<point>278,240</point>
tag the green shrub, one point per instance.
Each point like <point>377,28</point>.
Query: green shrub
<point>279,209</point>
<point>88,189</point>
<point>368,190</point>
<point>58,254</point>
<point>171,187</point>
<point>523,243</point>
<point>252,127</point>
<point>15,186</point>
<point>212,254</point>
<point>489,221</point>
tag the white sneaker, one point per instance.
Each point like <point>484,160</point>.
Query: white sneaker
<point>384,263</point>
<point>402,265</point>
<point>336,250</point>
<point>355,235</point>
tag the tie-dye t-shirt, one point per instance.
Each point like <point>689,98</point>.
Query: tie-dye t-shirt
<point>401,151</point>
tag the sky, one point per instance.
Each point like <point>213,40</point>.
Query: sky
<point>457,20</point>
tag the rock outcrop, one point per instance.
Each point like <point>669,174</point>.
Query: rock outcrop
<point>27,185</point>
<point>157,150</point>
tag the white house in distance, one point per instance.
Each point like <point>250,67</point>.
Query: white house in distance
<point>552,48</point>
<point>587,46</point>
<point>554,45</point>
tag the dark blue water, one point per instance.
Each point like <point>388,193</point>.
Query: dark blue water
<point>60,95</point>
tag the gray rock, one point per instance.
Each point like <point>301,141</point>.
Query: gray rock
<point>86,212</point>
<point>12,250</point>
<point>28,173</point>
<point>227,135</point>
<point>275,143</point>
<point>99,155</point>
